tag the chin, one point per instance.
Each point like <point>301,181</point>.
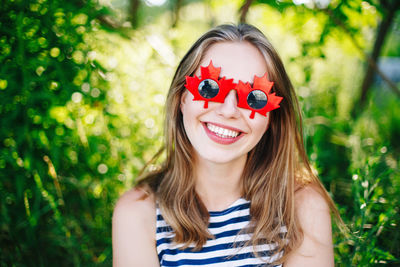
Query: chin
<point>220,157</point>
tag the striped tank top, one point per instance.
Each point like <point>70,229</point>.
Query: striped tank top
<point>227,249</point>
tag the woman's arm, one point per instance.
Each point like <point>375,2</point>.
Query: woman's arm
<point>314,217</point>
<point>133,230</point>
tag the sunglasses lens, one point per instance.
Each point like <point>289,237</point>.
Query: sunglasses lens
<point>257,99</point>
<point>208,88</point>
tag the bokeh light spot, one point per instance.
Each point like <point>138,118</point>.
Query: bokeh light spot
<point>40,70</point>
<point>55,52</point>
<point>53,85</point>
<point>3,84</point>
<point>78,57</point>
<point>155,2</point>
<point>159,99</point>
<point>85,87</point>
<point>60,114</point>
<point>149,123</point>
<point>42,42</point>
<point>89,119</point>
<point>97,190</point>
<point>112,63</point>
<point>80,30</point>
<point>79,19</point>
<point>76,97</point>
<point>95,92</point>
<point>102,168</point>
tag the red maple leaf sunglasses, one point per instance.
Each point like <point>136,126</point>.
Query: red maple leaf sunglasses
<point>254,97</point>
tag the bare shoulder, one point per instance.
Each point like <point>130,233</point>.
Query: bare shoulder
<point>308,199</point>
<point>133,201</point>
<point>135,208</point>
<point>314,217</point>
<point>133,229</point>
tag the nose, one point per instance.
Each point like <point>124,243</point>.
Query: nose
<point>229,108</point>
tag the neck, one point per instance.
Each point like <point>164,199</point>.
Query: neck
<point>219,184</point>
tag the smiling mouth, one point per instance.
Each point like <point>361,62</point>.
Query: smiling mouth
<point>222,132</point>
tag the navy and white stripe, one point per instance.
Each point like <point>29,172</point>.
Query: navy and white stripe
<point>227,249</point>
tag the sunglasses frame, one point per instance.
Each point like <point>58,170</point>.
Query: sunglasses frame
<point>243,90</point>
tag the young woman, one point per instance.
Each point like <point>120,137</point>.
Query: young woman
<point>236,188</point>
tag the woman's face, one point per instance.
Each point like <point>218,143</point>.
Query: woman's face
<point>223,132</point>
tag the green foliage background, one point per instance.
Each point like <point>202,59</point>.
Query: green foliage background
<point>81,104</point>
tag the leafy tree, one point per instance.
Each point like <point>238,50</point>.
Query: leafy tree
<point>50,166</point>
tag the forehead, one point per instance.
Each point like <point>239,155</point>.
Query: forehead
<point>238,60</point>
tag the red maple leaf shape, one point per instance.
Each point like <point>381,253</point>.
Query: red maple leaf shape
<point>263,84</point>
<point>209,72</point>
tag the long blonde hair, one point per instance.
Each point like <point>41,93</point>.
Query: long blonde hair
<point>276,167</point>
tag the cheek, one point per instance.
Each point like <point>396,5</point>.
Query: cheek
<point>190,108</point>
<point>260,126</point>
<point>184,100</point>
<point>186,105</point>
<point>191,112</point>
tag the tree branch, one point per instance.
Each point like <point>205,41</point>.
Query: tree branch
<point>371,61</point>
<point>380,38</point>
<point>244,9</point>
<point>175,13</point>
<point>108,22</point>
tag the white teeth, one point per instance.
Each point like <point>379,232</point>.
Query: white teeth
<point>222,132</point>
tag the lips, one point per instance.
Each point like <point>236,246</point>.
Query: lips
<point>222,134</point>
